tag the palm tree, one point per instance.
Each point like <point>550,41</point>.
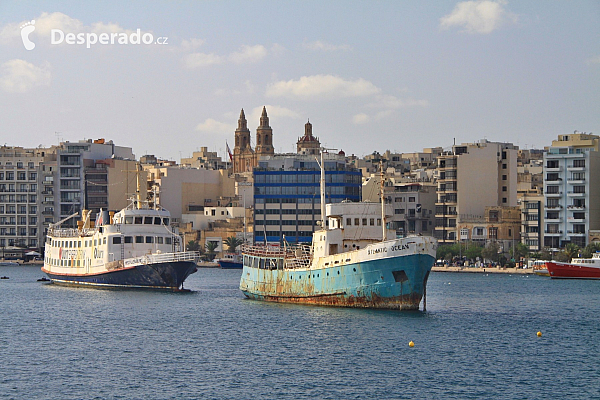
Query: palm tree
<point>571,250</point>
<point>210,249</point>
<point>193,245</point>
<point>232,243</point>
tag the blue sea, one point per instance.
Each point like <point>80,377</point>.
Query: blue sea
<point>477,340</point>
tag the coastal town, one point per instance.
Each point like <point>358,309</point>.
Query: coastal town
<point>488,203</point>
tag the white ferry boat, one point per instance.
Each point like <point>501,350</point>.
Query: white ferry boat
<point>135,248</point>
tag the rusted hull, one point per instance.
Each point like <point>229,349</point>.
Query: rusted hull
<point>389,283</point>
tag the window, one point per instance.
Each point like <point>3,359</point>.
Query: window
<point>578,163</point>
<point>504,200</point>
<point>139,239</point>
<point>504,177</point>
<point>364,221</point>
<point>159,240</point>
<point>411,199</point>
<point>149,239</point>
<point>356,221</point>
<point>504,188</point>
<point>372,221</point>
<point>116,239</point>
<point>579,189</point>
<point>348,221</point>
<point>503,166</point>
<point>128,239</point>
<point>148,220</point>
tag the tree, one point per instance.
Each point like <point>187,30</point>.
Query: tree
<point>232,243</point>
<point>193,245</point>
<point>570,251</point>
<point>210,249</point>
<point>473,251</point>
<point>590,249</point>
<point>490,252</point>
<point>519,250</point>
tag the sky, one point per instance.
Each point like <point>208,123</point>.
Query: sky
<point>369,75</point>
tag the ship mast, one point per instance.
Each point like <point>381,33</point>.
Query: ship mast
<point>382,202</point>
<point>322,187</point>
<point>138,196</point>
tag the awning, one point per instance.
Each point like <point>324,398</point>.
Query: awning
<point>33,254</point>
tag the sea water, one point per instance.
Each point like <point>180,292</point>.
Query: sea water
<point>477,339</point>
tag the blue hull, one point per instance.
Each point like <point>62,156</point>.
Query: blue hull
<point>167,275</point>
<point>230,264</point>
<point>389,283</point>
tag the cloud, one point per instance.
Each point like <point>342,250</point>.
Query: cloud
<point>249,54</point>
<point>319,86</point>
<point>322,46</point>
<point>195,60</point>
<point>191,44</point>
<point>394,103</point>
<point>213,126</point>
<point>594,60</point>
<point>360,119</point>
<point>480,16</point>
<point>46,22</point>
<point>272,111</point>
<point>19,76</point>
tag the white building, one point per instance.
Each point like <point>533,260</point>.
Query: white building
<point>571,190</point>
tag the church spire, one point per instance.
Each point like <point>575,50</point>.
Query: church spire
<point>264,119</point>
<point>242,123</point>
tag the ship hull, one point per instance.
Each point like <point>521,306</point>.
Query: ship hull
<point>388,283</point>
<point>164,275</point>
<point>559,270</point>
<point>227,264</point>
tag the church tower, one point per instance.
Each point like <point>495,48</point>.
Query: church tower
<point>264,136</point>
<point>242,134</point>
<point>243,156</point>
<point>308,144</point>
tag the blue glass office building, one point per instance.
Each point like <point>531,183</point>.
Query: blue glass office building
<point>287,196</point>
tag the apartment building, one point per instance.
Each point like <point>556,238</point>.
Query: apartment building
<point>20,197</point>
<point>571,189</point>
<point>472,177</point>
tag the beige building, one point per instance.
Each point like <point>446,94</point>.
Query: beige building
<point>181,190</point>
<point>204,159</point>
<point>472,177</point>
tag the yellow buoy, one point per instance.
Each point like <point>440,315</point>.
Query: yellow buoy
<point>539,334</point>
<point>411,343</point>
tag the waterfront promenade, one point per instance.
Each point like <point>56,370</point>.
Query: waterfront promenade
<point>490,270</point>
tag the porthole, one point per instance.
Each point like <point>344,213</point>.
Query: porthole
<point>338,272</point>
<point>354,269</point>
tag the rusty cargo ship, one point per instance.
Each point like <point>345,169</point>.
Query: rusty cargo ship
<point>350,262</point>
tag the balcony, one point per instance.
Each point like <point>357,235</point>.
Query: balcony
<point>553,180</point>
<point>556,194</point>
<point>575,180</point>
<point>553,233</point>
<point>574,194</point>
<point>552,207</point>
<point>574,233</point>
<point>553,220</point>
<point>553,169</point>
<point>576,207</point>
<point>48,212</point>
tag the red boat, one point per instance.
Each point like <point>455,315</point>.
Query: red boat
<point>579,268</point>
